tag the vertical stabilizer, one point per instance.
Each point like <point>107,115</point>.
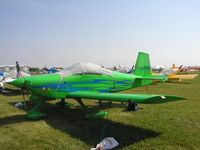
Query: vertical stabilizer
<point>142,66</point>
<point>143,71</point>
<point>173,66</point>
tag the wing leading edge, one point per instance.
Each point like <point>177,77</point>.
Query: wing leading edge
<point>187,77</point>
<point>137,98</point>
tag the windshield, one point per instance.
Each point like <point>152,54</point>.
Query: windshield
<point>85,68</point>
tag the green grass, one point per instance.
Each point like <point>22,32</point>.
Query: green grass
<point>166,126</point>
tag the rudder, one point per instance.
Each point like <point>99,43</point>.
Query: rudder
<point>142,66</point>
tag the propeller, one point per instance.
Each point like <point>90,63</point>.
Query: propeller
<point>25,91</point>
<point>180,67</point>
<point>24,88</point>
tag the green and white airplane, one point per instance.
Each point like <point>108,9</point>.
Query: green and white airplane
<point>89,81</point>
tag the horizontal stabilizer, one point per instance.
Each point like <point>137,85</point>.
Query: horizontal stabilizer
<point>137,98</point>
<point>153,77</point>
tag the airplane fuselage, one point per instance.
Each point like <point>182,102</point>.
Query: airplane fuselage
<point>57,86</point>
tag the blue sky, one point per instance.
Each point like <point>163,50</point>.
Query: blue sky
<point>108,32</point>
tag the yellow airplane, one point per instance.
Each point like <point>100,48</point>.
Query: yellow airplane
<point>173,75</point>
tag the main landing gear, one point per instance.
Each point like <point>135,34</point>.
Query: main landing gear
<point>63,104</point>
<point>33,114</point>
<point>92,114</point>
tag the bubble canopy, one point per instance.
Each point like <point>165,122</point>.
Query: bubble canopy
<point>86,68</point>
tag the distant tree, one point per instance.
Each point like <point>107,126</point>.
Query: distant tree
<point>34,69</point>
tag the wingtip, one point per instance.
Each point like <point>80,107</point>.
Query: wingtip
<point>163,99</point>
<point>175,97</point>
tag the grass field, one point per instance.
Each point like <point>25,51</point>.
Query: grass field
<point>166,126</point>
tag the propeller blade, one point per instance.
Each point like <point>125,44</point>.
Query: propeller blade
<point>23,94</point>
<point>180,67</point>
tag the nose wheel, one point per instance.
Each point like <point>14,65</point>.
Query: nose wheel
<point>33,114</point>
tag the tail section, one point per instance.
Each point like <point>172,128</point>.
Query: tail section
<point>142,66</point>
<point>174,66</point>
<point>143,71</point>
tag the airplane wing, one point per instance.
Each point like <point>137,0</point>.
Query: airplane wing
<point>137,98</point>
<point>187,77</point>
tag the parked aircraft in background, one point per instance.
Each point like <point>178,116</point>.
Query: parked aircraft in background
<point>54,70</point>
<point>10,76</point>
<point>173,75</point>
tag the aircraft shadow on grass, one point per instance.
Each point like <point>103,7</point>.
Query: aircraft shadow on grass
<point>107,105</point>
<point>91,132</point>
